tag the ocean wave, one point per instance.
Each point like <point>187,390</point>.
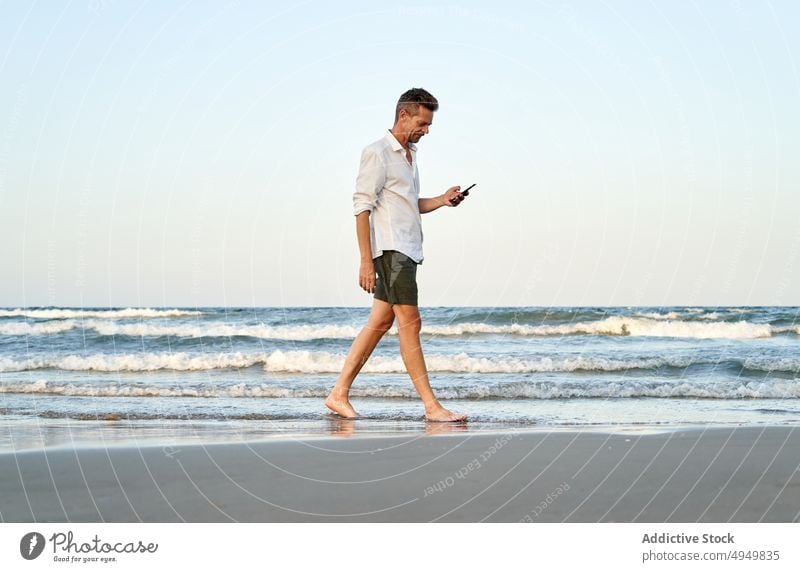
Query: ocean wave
<point>37,328</point>
<point>659,315</point>
<point>55,313</point>
<point>295,333</point>
<point>735,389</point>
<point>138,329</point>
<point>783,364</point>
<point>143,362</point>
<point>309,362</point>
<point>679,315</point>
<point>622,326</point>
<point>786,330</point>
<point>611,326</point>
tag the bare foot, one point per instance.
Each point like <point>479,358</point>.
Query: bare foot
<point>340,405</point>
<point>439,413</point>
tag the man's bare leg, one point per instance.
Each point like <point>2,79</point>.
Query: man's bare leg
<point>409,324</point>
<point>380,320</point>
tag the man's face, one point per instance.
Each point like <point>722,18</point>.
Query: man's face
<point>416,125</point>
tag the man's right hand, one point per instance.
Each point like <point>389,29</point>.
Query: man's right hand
<point>366,276</point>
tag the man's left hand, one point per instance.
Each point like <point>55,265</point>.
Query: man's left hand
<point>453,197</point>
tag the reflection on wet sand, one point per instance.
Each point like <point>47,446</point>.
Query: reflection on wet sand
<point>347,427</point>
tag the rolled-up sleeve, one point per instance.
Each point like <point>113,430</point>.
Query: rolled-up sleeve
<point>370,181</point>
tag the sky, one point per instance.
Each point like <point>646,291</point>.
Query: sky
<point>182,154</point>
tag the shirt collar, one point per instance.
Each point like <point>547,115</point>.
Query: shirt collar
<point>396,144</point>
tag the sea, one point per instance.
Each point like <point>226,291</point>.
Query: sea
<point>168,376</point>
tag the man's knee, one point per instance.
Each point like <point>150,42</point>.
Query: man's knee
<point>382,319</point>
<point>408,318</point>
<point>383,323</point>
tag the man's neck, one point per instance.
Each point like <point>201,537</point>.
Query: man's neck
<point>402,138</point>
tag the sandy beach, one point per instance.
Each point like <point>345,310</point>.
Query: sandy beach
<point>738,474</point>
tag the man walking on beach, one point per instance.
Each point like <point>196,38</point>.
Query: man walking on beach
<point>387,207</point>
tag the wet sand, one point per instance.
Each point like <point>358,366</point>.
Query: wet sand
<point>739,474</point>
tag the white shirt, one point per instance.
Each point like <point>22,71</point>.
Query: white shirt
<point>388,187</point>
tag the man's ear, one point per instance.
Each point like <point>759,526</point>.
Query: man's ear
<point>404,115</point>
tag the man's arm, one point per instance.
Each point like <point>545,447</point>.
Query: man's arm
<point>366,271</point>
<point>370,181</point>
<point>451,198</point>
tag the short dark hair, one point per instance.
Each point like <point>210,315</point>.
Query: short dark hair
<point>412,99</point>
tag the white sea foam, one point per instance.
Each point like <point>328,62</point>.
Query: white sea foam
<point>52,313</point>
<point>620,326</point>
<point>613,326</point>
<point>297,361</point>
<point>178,361</point>
<point>139,329</point>
<point>36,329</point>
<point>632,388</point>
<point>310,362</point>
<point>296,333</point>
<point>680,329</point>
<point>784,364</point>
<point>659,315</point>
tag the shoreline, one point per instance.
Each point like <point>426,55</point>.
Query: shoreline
<point>706,474</point>
<point>80,435</point>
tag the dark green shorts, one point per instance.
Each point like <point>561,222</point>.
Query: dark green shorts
<point>397,278</point>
